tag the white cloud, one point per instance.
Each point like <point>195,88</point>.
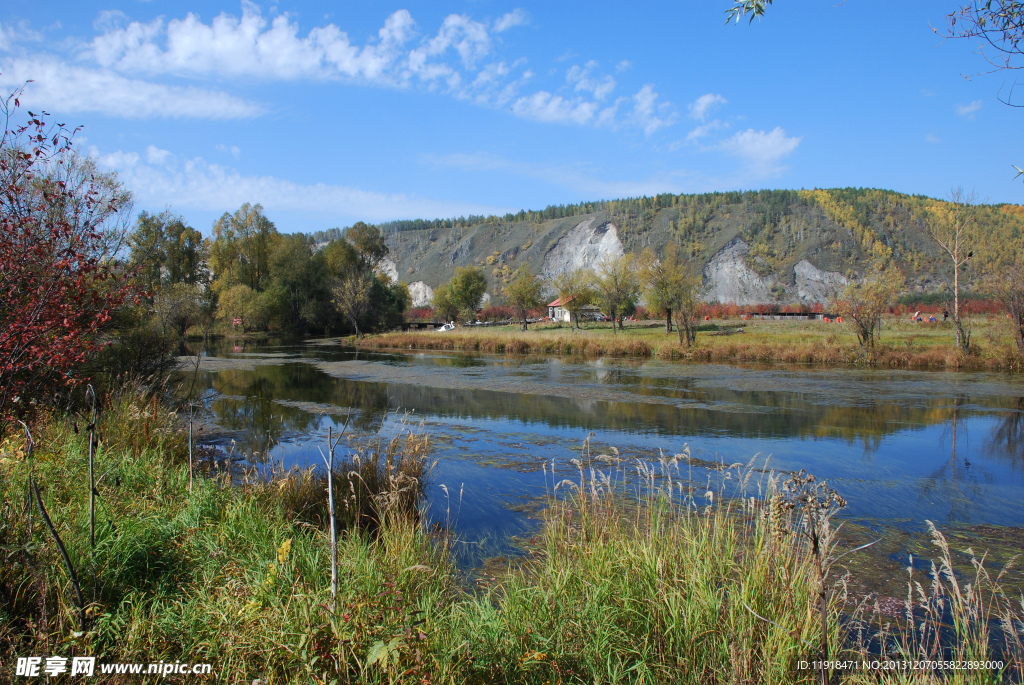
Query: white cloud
<point>705,129</point>
<point>109,20</point>
<point>543,106</point>
<point>12,35</point>
<point>61,87</point>
<point>704,105</point>
<point>580,78</point>
<point>469,38</point>
<point>253,46</point>
<point>647,114</point>
<point>246,45</point>
<point>199,185</point>
<point>968,110</point>
<point>155,155</point>
<point>932,138</point>
<point>516,17</point>
<point>761,150</point>
<point>623,66</point>
<point>233,149</point>
<point>120,70</point>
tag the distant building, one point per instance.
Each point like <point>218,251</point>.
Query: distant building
<point>558,312</point>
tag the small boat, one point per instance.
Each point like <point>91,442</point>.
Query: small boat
<point>446,327</point>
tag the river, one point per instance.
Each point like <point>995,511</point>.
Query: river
<point>902,447</point>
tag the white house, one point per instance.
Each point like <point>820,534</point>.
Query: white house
<point>558,312</point>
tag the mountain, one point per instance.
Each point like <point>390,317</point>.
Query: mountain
<point>783,246</point>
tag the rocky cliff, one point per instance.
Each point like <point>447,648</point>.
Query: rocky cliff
<point>751,247</point>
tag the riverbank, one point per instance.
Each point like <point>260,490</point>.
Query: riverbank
<point>904,345</point>
<point>238,576</point>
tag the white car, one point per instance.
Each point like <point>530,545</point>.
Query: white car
<point>446,327</point>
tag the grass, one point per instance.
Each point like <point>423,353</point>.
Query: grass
<point>904,345</point>
<point>638,577</point>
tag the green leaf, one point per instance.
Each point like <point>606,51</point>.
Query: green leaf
<point>378,654</point>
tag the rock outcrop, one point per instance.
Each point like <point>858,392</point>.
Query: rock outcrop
<point>815,285</point>
<point>422,294</point>
<point>389,268</point>
<point>583,246</point>
<point>727,278</point>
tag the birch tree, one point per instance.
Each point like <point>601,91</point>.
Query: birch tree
<point>954,231</point>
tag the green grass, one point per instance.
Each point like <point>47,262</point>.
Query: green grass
<point>635,579</point>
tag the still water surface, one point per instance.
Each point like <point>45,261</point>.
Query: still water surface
<point>901,446</point>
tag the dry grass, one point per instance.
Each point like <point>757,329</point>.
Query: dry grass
<point>904,345</point>
<point>963,617</point>
<point>382,480</point>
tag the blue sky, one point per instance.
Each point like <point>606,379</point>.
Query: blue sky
<point>329,113</point>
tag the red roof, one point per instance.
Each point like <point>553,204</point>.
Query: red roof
<point>559,302</point>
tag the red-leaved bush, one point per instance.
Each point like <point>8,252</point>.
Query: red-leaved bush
<point>59,278</point>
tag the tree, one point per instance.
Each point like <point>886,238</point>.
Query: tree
<point>998,23</point>
<point>239,301</point>
<point>351,291</point>
<point>741,8</point>
<point>389,302</point>
<point>467,289</point>
<point>351,281</point>
<point>1008,289</point>
<point>1000,26</point>
<point>659,278</point>
<point>444,305</point>
<point>617,286</point>
<point>953,230</point>
<point>62,224</point>
<point>523,294</point>
<point>365,298</point>
<point>864,302</point>
<point>575,291</point>
<point>187,253</point>
<point>685,303</point>
<point>177,307</point>
<point>164,250</point>
<point>148,255</point>
<point>369,244</point>
<point>299,276</point>
<point>242,247</point>
<point>671,288</point>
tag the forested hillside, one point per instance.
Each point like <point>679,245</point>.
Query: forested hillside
<point>837,230</point>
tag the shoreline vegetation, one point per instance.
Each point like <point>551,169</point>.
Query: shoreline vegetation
<point>638,576</point>
<point>905,345</point>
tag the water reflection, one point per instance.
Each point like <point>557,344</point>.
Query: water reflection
<point>269,403</point>
<point>1007,440</point>
<point>901,446</point>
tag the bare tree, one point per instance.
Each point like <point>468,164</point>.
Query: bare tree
<point>999,24</point>
<point>864,302</point>
<point>1008,289</point>
<point>953,230</point>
